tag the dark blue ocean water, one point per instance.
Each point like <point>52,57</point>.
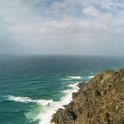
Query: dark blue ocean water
<point>28,84</point>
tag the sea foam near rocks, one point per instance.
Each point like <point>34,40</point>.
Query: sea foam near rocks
<point>45,116</point>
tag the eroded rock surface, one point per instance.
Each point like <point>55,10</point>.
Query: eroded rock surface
<point>101,101</point>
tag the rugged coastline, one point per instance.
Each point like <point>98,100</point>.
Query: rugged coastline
<point>100,101</point>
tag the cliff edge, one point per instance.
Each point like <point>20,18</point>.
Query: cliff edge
<point>100,101</point>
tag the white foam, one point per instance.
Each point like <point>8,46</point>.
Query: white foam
<point>45,116</point>
<point>75,77</point>
<point>28,100</point>
<point>68,78</point>
<point>90,77</point>
<point>75,85</point>
<point>49,107</point>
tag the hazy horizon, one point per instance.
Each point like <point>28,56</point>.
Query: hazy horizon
<point>62,27</point>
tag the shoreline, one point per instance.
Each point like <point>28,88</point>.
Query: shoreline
<point>65,100</point>
<point>77,87</point>
<point>46,116</point>
<point>100,101</point>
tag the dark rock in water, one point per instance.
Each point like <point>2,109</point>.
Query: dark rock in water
<point>81,85</point>
<point>100,101</point>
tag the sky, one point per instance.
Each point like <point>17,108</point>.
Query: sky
<point>62,27</point>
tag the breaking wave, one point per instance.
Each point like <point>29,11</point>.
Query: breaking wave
<point>28,100</point>
<point>45,115</point>
<point>68,78</point>
<point>90,77</point>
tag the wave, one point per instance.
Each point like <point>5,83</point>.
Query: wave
<point>78,78</point>
<point>90,77</point>
<point>72,78</point>
<point>75,77</point>
<point>28,100</point>
<point>45,115</point>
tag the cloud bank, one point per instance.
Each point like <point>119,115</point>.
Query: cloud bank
<point>82,27</point>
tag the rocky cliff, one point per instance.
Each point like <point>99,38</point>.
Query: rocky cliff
<point>100,101</point>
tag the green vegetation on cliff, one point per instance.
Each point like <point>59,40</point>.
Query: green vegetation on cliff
<point>111,71</point>
<point>101,101</point>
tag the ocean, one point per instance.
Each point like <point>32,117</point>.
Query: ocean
<point>32,88</point>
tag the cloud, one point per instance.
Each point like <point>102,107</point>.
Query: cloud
<point>61,27</point>
<point>91,11</point>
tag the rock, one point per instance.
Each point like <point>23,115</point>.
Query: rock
<point>100,101</point>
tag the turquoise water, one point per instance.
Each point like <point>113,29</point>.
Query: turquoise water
<point>29,85</point>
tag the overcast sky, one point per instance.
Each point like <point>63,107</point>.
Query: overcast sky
<point>71,27</point>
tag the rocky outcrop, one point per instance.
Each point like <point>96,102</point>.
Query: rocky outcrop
<point>101,101</point>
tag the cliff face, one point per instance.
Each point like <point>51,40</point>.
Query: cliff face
<point>101,101</point>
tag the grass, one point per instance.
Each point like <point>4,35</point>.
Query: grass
<point>110,71</point>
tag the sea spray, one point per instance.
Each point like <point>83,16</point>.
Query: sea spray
<point>69,78</point>
<point>28,100</point>
<point>47,111</point>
